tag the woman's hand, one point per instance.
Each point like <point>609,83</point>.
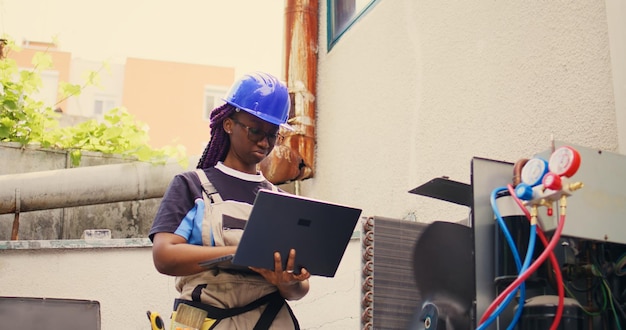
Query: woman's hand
<point>292,286</point>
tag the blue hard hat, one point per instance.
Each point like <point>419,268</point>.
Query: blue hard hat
<point>262,95</point>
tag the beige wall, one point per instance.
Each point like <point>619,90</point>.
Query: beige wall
<point>169,97</point>
<point>124,281</point>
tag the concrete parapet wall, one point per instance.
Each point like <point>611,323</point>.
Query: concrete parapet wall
<point>129,219</point>
<point>120,276</point>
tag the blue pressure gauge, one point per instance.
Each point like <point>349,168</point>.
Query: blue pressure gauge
<point>533,171</point>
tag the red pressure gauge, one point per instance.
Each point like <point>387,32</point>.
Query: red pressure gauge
<point>564,161</point>
<point>552,181</point>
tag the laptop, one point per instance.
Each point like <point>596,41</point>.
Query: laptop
<point>318,230</point>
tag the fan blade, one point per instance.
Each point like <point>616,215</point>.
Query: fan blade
<point>443,265</point>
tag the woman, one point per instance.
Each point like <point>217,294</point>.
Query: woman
<point>194,224</point>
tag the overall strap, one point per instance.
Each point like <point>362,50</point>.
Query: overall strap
<point>207,187</point>
<point>273,300</point>
<point>270,312</point>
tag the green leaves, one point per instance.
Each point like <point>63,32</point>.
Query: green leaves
<point>120,134</point>
<point>28,121</point>
<point>42,61</point>
<point>5,128</point>
<point>67,90</point>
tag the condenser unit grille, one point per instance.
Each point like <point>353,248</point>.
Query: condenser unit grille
<point>389,295</point>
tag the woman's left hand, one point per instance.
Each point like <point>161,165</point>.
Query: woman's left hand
<point>292,286</point>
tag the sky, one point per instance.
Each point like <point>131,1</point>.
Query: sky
<point>244,34</point>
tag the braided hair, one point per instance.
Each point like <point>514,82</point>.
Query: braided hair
<point>218,145</point>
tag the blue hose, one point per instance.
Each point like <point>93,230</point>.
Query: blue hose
<point>529,256</point>
<point>518,264</point>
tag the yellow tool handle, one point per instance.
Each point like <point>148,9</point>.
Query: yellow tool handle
<point>156,322</point>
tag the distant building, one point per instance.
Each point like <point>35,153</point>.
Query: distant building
<point>173,99</point>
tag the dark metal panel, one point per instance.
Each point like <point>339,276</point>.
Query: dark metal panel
<point>447,190</point>
<point>486,176</point>
<point>48,313</point>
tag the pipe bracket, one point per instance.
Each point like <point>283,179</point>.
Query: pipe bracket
<point>18,201</point>
<point>16,221</point>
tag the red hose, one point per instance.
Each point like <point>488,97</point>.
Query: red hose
<point>553,261</point>
<point>548,251</point>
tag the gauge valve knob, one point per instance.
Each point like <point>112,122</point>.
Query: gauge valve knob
<point>524,191</point>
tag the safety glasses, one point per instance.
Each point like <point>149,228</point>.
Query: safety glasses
<point>256,135</point>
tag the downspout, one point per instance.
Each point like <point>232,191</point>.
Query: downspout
<point>294,159</point>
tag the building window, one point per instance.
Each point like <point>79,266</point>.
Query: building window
<point>342,14</point>
<point>103,103</point>
<point>212,99</point>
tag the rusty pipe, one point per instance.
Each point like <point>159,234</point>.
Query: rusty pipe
<point>301,48</point>
<point>294,161</point>
<point>517,171</point>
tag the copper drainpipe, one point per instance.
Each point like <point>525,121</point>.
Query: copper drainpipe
<point>294,159</point>
<point>3,43</point>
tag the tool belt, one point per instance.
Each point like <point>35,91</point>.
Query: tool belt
<point>273,300</point>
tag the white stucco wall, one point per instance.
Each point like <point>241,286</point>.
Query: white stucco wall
<point>616,11</point>
<point>415,89</point>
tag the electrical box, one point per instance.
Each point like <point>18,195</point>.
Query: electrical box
<point>598,210</point>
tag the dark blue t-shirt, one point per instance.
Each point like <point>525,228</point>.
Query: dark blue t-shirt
<point>183,198</point>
